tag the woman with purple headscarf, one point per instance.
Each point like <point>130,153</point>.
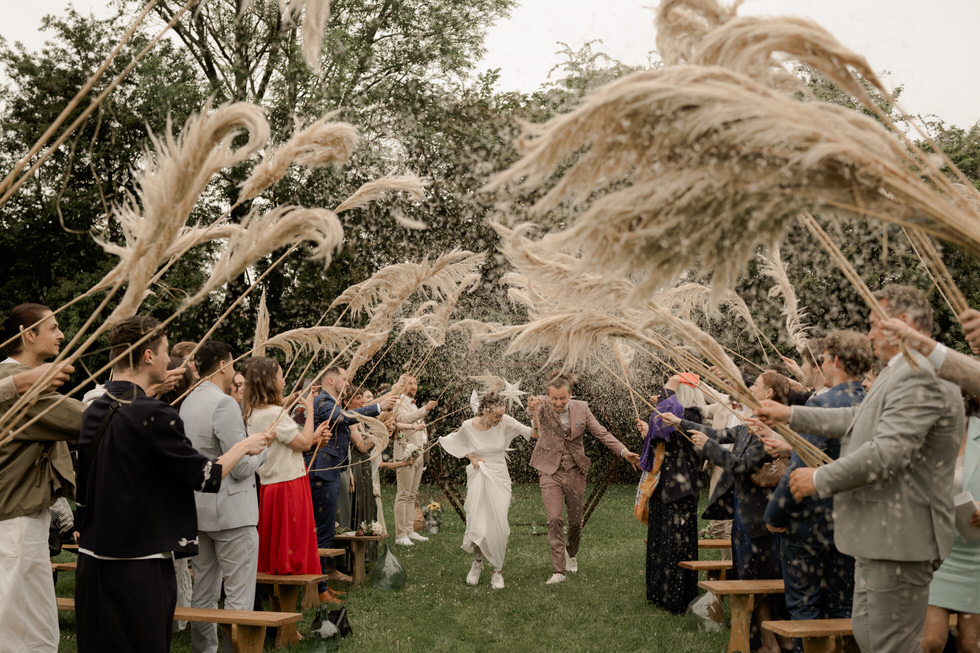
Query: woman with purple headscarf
<point>667,499</point>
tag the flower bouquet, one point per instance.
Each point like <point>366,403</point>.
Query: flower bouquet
<point>373,528</point>
<point>412,452</point>
<point>432,513</point>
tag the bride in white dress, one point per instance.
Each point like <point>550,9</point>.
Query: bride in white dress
<point>483,441</point>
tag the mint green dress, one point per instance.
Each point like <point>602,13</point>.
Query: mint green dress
<point>956,584</point>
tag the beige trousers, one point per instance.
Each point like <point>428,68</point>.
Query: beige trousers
<point>408,479</point>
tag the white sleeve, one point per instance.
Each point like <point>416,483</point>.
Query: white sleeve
<point>513,428</point>
<point>458,443</point>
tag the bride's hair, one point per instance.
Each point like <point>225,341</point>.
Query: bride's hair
<point>490,401</point>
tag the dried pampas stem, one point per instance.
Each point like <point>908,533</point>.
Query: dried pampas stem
<point>261,328</point>
<point>937,269</point>
<point>772,266</point>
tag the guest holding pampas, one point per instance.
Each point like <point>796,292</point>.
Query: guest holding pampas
<point>287,532</point>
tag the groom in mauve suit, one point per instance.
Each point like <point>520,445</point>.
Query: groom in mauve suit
<point>893,483</point>
<point>559,456</point>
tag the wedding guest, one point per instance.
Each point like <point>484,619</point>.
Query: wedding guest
<point>227,520</point>
<point>955,586</point>
<point>363,505</point>
<point>755,550</point>
<point>287,532</point>
<point>483,441</point>
<point>35,469</point>
<point>892,484</point>
<point>136,481</point>
<point>819,579</point>
<point>670,486</point>
<point>324,463</point>
<point>409,477</point>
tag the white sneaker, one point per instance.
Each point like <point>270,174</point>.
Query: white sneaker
<point>571,564</point>
<point>417,538</point>
<point>555,578</point>
<point>473,578</point>
<point>404,541</point>
<point>497,581</point>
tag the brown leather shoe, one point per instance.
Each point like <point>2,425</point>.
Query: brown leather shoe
<point>328,597</point>
<point>338,592</point>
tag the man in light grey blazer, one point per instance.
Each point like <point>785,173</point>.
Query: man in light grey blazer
<point>228,538</point>
<point>893,483</point>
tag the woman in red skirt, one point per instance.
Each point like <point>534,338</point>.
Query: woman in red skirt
<point>287,532</point>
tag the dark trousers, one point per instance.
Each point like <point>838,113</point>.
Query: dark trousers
<point>124,605</point>
<point>819,580</point>
<point>324,514</point>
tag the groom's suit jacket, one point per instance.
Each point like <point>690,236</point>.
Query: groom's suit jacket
<point>893,483</point>
<point>553,440</point>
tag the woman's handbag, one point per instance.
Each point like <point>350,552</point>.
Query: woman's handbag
<point>769,474</point>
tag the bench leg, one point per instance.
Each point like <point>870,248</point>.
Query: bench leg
<point>284,599</point>
<point>245,639</point>
<point>311,598</point>
<point>358,574</point>
<point>742,605</point>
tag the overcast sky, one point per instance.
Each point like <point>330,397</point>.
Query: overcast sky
<point>931,48</point>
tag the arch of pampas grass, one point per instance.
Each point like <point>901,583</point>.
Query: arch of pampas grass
<point>717,160</point>
<point>157,235</point>
<point>773,267</point>
<point>383,294</point>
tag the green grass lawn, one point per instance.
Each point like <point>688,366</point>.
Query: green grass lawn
<point>601,608</point>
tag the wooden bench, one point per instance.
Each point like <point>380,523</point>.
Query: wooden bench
<point>714,544</point>
<point>285,593</point>
<point>245,628</point>
<point>714,569</point>
<point>741,595</point>
<point>823,635</point>
<point>357,544</point>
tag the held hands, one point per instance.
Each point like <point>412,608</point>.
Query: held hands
<point>533,403</point>
<point>698,438</point>
<point>801,482</point>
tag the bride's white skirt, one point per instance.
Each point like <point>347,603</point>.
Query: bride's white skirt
<point>487,503</point>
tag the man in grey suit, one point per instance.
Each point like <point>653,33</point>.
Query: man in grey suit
<point>228,540</point>
<point>893,483</point>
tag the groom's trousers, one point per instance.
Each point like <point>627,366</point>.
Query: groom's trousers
<point>568,483</point>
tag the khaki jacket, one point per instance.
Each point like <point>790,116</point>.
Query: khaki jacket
<point>35,466</point>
